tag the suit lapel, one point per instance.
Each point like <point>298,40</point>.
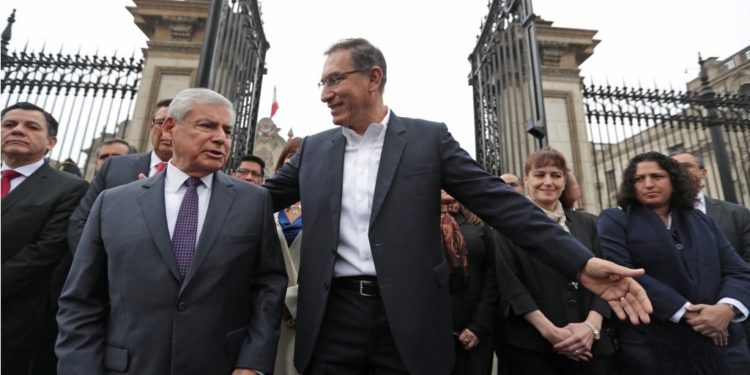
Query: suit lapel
<point>393,148</point>
<point>153,208</point>
<point>29,185</point>
<point>335,163</point>
<point>142,165</point>
<point>713,209</point>
<point>222,198</point>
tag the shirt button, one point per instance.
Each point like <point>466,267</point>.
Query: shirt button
<point>572,303</point>
<point>364,229</point>
<point>182,306</point>
<point>679,246</point>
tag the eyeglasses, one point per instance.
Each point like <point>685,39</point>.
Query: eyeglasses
<point>158,122</point>
<point>332,81</point>
<point>245,172</point>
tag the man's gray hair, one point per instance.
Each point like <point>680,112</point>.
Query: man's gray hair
<point>182,103</point>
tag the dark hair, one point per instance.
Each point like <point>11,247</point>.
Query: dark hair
<point>51,122</point>
<point>364,56</point>
<point>131,149</point>
<point>684,188</point>
<point>254,159</point>
<point>163,103</point>
<point>698,159</point>
<point>290,147</point>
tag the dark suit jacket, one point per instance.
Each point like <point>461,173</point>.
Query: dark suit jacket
<point>734,221</point>
<point>474,300</point>
<point>116,171</point>
<point>418,159</point>
<point>527,285</point>
<point>34,225</point>
<point>124,309</point>
<point>700,268</point>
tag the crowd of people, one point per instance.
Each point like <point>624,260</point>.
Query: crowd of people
<point>414,259</point>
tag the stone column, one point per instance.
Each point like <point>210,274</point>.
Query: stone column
<point>562,51</point>
<point>175,31</point>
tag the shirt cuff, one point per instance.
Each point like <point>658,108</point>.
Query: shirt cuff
<point>738,305</point>
<point>680,313</point>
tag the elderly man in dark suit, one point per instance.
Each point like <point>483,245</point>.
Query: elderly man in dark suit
<point>37,201</point>
<point>178,273</point>
<point>373,295</point>
<point>120,170</point>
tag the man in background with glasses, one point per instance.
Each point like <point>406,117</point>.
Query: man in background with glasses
<point>121,170</point>
<point>251,169</point>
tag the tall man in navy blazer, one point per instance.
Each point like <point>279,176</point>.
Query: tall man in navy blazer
<point>124,169</point>
<point>373,294</point>
<point>207,302</point>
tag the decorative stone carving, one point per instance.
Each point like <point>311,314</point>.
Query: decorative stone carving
<point>551,52</point>
<point>181,28</point>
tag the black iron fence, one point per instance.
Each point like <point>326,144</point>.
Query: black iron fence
<point>91,96</point>
<point>233,64</point>
<point>624,122</point>
<point>509,118</point>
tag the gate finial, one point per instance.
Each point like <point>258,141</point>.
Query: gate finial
<point>7,34</point>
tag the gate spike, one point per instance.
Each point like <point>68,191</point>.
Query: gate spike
<point>62,45</point>
<point>79,50</point>
<point>25,46</point>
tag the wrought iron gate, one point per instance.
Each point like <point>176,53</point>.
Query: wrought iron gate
<point>91,96</point>
<point>624,122</point>
<point>509,119</point>
<point>233,64</point>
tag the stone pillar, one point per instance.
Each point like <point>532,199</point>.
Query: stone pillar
<point>562,51</point>
<point>175,31</point>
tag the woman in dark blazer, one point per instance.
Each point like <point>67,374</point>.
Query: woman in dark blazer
<point>473,293</point>
<point>698,285</point>
<point>552,325</point>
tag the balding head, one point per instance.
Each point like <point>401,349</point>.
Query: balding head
<point>513,181</point>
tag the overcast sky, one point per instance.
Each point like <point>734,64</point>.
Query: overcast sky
<point>426,44</point>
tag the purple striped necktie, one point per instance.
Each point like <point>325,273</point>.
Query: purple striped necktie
<point>183,237</point>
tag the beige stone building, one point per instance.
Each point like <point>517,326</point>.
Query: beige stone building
<point>618,143</point>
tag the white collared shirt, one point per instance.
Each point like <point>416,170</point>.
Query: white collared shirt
<point>361,162</point>
<point>700,203</point>
<point>154,162</point>
<point>174,191</point>
<point>25,172</point>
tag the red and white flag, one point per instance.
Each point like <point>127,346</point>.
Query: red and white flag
<point>275,104</point>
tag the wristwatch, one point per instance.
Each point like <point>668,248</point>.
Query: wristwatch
<point>737,312</point>
<point>597,334</point>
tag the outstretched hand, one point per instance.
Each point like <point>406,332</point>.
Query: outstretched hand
<point>615,285</point>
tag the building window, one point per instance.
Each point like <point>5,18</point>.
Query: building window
<point>611,181</point>
<point>729,64</point>
<point>745,55</point>
<point>744,89</point>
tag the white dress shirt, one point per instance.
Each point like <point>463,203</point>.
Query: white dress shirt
<point>25,172</point>
<point>154,162</point>
<point>361,162</point>
<point>700,203</point>
<point>174,190</point>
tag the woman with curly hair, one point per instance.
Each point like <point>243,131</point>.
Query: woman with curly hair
<point>698,285</point>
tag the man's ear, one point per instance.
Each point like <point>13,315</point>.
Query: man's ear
<point>168,127</point>
<point>376,76</point>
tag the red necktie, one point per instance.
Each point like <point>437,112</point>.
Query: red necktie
<point>8,175</point>
<point>160,167</point>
